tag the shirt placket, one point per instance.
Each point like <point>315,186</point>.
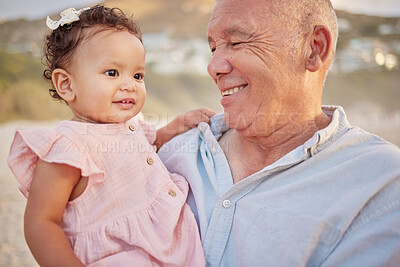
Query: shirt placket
<point>221,221</point>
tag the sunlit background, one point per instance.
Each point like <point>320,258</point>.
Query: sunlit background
<point>364,78</point>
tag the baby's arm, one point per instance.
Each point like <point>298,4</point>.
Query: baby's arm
<point>182,123</point>
<point>49,193</point>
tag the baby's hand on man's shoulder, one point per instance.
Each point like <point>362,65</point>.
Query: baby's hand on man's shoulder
<point>182,123</point>
<point>192,118</point>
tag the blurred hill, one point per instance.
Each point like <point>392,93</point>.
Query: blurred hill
<point>180,18</point>
<point>365,73</point>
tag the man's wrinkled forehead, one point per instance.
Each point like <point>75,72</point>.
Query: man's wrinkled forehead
<point>241,10</point>
<point>235,18</point>
<point>242,6</point>
<point>227,11</point>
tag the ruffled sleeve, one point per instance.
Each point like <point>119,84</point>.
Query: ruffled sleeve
<point>50,146</point>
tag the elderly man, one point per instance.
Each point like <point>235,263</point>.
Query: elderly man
<point>278,180</point>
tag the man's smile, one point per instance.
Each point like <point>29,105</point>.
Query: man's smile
<point>231,91</point>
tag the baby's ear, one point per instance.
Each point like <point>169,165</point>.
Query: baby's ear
<point>62,83</point>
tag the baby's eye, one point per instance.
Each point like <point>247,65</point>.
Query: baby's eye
<point>112,73</point>
<point>138,76</point>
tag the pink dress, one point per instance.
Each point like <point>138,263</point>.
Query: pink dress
<point>133,211</point>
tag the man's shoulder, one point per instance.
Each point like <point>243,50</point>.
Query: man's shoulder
<point>363,138</point>
<point>181,146</point>
<point>363,144</point>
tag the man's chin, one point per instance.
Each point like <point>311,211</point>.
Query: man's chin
<point>235,120</point>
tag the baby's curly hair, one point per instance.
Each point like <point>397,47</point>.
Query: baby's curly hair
<point>62,42</point>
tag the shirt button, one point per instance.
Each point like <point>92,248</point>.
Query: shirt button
<point>202,127</point>
<point>214,150</point>
<point>132,128</point>
<point>150,161</point>
<point>172,193</point>
<point>226,203</point>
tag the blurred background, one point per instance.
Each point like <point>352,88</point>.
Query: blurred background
<point>364,79</point>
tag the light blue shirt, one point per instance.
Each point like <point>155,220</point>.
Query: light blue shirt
<point>333,201</point>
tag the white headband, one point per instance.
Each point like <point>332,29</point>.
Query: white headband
<point>67,16</point>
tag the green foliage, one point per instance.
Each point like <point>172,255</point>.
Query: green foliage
<point>15,67</point>
<point>23,92</point>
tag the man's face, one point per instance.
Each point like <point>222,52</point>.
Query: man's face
<point>250,63</point>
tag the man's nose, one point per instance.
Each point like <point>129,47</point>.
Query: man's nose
<point>219,64</point>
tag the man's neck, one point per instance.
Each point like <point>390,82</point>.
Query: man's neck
<point>248,152</point>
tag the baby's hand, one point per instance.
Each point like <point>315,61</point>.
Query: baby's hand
<point>192,118</point>
<point>183,123</point>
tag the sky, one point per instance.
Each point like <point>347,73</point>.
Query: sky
<point>36,9</point>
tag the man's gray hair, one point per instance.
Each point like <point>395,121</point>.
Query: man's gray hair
<point>301,16</point>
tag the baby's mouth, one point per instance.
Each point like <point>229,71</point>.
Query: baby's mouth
<point>126,101</point>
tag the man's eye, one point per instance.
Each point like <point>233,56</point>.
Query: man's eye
<point>237,43</point>
<point>138,76</point>
<point>112,73</point>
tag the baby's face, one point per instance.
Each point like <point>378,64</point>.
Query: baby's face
<point>107,74</point>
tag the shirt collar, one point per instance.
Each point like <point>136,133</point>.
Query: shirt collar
<point>217,125</point>
<point>336,128</point>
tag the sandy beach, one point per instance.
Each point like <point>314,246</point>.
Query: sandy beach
<point>13,249</point>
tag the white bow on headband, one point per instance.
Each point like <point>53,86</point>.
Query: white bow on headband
<point>67,16</point>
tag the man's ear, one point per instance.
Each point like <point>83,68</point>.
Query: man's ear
<point>319,48</point>
<point>62,83</point>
